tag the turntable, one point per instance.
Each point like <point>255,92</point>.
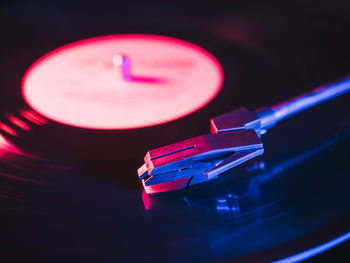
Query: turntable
<point>89,87</point>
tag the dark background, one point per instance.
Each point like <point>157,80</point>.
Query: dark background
<point>297,45</point>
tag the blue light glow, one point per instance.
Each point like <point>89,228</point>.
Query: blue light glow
<point>316,250</point>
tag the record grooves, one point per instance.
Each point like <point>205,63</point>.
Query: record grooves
<point>71,194</point>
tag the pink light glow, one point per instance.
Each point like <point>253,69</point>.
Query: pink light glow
<point>80,85</point>
<point>3,142</point>
<point>18,122</point>
<point>18,178</point>
<point>166,187</point>
<point>6,147</point>
<point>7,129</point>
<point>146,201</point>
<point>33,117</point>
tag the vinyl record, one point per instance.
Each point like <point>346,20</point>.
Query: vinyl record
<point>70,193</point>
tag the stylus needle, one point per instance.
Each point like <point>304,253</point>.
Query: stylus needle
<point>235,139</point>
<point>199,159</point>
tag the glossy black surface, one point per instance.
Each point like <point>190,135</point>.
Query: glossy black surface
<point>84,202</point>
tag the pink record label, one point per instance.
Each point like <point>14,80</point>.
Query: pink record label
<point>122,81</point>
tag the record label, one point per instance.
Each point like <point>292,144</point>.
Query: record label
<point>122,81</point>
